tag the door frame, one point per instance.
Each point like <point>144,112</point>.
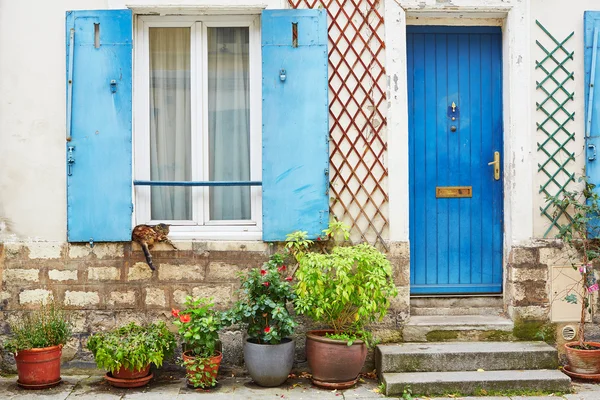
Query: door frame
<point>518,150</point>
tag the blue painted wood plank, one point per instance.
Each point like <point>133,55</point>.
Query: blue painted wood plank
<point>591,22</point>
<point>484,270</point>
<point>454,164</point>
<point>464,236</point>
<point>442,165</point>
<point>419,171</point>
<point>295,124</point>
<point>431,204</point>
<point>478,163</point>
<point>99,204</point>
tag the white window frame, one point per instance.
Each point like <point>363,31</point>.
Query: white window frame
<point>199,227</point>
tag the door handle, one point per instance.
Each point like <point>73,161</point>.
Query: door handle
<point>496,164</point>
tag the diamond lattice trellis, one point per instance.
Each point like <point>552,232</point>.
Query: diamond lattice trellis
<point>554,123</point>
<point>357,115</point>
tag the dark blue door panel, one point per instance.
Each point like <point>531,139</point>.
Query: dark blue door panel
<point>456,243</point>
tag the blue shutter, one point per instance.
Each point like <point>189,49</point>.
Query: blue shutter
<point>99,175</point>
<point>592,96</point>
<point>295,123</point>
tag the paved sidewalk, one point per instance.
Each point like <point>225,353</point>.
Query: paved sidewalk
<point>235,388</point>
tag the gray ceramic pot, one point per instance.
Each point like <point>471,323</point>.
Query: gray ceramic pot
<point>269,364</point>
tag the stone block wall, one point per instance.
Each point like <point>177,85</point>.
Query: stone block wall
<point>110,285</point>
<point>528,278</point>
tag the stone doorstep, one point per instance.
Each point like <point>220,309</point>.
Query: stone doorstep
<point>418,326</point>
<point>465,356</point>
<point>471,382</point>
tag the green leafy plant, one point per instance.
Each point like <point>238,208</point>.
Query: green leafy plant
<point>198,325</point>
<point>201,371</point>
<point>262,306</point>
<point>346,287</point>
<point>578,230</point>
<point>132,346</point>
<point>45,327</point>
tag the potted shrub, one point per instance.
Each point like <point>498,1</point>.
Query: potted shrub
<point>128,351</point>
<point>578,229</point>
<point>262,309</point>
<point>346,288</point>
<point>199,326</point>
<point>36,342</point>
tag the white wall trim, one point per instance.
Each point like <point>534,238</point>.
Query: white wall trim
<point>518,144</point>
<point>197,7</point>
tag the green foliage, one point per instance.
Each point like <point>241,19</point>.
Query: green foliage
<point>407,393</point>
<point>132,346</point>
<point>200,372</point>
<point>199,326</point>
<point>350,338</point>
<point>45,327</point>
<point>264,294</point>
<point>346,288</point>
<point>581,226</point>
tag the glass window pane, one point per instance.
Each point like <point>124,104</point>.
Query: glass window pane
<point>229,121</point>
<point>170,122</point>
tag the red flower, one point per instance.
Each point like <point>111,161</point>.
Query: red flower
<point>263,272</point>
<point>282,268</point>
<point>175,312</point>
<point>185,318</point>
<point>267,329</point>
<point>318,239</point>
<point>289,279</point>
<point>266,284</point>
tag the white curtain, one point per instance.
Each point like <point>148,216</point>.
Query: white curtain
<point>170,122</point>
<point>229,121</point>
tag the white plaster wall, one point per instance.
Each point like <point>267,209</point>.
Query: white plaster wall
<point>32,115</point>
<point>560,20</point>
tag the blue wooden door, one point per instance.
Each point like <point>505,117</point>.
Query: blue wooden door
<point>455,130</point>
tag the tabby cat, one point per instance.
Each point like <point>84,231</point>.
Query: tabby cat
<point>147,235</point>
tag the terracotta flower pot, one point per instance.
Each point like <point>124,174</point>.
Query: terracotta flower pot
<point>124,373</point>
<point>583,361</point>
<point>39,368</point>
<point>334,364</point>
<point>215,361</point>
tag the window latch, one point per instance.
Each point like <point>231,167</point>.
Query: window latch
<point>113,86</point>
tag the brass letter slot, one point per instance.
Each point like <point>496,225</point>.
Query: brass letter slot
<point>453,191</point>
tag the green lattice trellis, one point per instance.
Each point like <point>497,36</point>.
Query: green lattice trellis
<point>554,123</point>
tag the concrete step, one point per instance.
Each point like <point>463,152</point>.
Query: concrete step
<point>464,356</point>
<point>474,305</point>
<point>473,382</point>
<point>438,328</point>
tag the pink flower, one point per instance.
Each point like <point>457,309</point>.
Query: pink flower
<point>289,279</point>
<point>267,329</point>
<point>175,312</point>
<point>185,318</point>
<point>266,284</point>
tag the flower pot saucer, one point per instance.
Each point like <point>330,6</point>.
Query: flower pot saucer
<point>576,375</point>
<point>128,383</point>
<point>40,386</point>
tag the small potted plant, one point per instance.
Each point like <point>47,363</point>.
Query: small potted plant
<point>346,288</point>
<point>128,351</point>
<point>199,326</point>
<point>262,309</point>
<point>37,341</point>
<point>579,229</point>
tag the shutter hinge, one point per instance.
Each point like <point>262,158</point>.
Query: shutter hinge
<point>131,207</point>
<point>91,243</point>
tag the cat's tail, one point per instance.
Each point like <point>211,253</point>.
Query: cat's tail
<point>148,256</point>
